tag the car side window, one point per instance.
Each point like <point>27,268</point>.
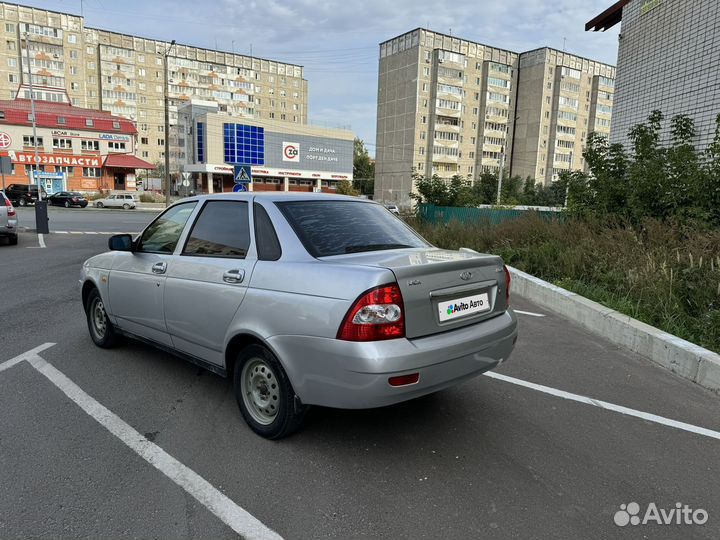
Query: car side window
<point>266,240</point>
<point>221,230</point>
<point>163,234</point>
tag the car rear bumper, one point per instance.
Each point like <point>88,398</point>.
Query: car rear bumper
<point>351,375</point>
<point>10,228</point>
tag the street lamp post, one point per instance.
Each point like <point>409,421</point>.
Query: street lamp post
<point>500,174</point>
<point>167,125</point>
<point>41,221</point>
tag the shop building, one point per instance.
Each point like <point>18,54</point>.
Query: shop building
<point>281,157</point>
<point>74,149</point>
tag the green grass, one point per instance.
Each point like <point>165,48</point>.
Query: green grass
<point>664,275</point>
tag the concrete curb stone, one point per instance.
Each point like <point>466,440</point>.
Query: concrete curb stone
<point>686,359</point>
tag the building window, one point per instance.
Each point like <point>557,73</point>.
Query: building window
<point>161,142</point>
<point>92,172</point>
<point>116,125</point>
<point>65,170</point>
<point>116,146</point>
<point>73,55</point>
<point>143,140</point>
<point>72,38</point>
<point>74,86</point>
<point>29,140</point>
<point>93,146</point>
<point>11,45</point>
<point>89,122</point>
<point>12,62</point>
<point>9,28</point>
<point>12,78</point>
<point>65,144</point>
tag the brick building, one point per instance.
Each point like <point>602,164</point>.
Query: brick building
<point>77,149</point>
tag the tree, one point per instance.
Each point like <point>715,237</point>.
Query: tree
<point>346,188</point>
<point>363,168</point>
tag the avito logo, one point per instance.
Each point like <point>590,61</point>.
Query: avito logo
<point>463,306</point>
<point>291,151</point>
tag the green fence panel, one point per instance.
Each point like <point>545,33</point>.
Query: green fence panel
<point>445,214</point>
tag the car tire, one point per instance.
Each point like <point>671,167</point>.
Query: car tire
<point>23,202</point>
<point>126,206</point>
<point>13,240</point>
<point>67,204</point>
<point>99,205</point>
<point>101,329</point>
<point>264,394</point>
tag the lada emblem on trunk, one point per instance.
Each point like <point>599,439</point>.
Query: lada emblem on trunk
<point>465,275</point>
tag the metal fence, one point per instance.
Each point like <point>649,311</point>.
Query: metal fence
<point>489,214</point>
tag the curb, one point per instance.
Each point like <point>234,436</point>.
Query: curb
<point>686,359</point>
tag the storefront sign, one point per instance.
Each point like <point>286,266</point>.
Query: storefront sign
<point>321,153</point>
<point>114,137</point>
<point>50,159</point>
<point>5,140</point>
<point>61,133</point>
<point>291,152</point>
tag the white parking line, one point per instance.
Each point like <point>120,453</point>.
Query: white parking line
<point>41,240</point>
<point>235,517</point>
<point>530,313</point>
<point>24,356</point>
<point>608,406</point>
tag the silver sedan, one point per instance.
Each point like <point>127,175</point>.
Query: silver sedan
<point>303,299</point>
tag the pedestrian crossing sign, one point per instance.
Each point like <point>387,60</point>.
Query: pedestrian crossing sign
<point>243,174</point>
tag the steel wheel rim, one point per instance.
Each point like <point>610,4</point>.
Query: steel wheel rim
<point>99,319</point>
<point>260,391</point>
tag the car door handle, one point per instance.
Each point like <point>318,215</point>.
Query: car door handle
<point>159,268</point>
<point>234,276</point>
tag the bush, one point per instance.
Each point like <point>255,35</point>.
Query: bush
<point>664,274</point>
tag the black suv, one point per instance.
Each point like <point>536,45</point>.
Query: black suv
<point>23,194</point>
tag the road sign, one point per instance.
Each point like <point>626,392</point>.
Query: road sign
<point>242,174</point>
<point>186,183</point>
<point>5,165</point>
<point>239,187</point>
<point>186,175</point>
<point>5,140</point>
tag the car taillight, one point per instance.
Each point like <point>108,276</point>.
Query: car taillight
<point>507,285</point>
<point>377,315</point>
<point>74,199</point>
<point>10,208</point>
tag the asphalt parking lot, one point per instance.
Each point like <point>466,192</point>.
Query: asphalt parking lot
<point>134,443</point>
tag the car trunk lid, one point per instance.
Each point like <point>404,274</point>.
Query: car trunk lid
<point>442,289</point>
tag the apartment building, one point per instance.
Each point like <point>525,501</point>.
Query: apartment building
<point>668,60</point>
<point>124,75</point>
<point>562,98</point>
<point>450,106</point>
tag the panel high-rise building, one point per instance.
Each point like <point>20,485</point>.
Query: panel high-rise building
<point>449,106</point>
<point>124,75</point>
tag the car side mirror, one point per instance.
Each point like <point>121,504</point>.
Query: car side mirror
<point>120,242</point>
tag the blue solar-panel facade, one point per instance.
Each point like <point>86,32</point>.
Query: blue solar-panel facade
<point>244,145</point>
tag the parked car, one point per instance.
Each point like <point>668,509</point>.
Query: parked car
<point>116,201</point>
<point>393,208</point>
<point>302,300</point>
<point>23,194</point>
<point>8,220</point>
<point>68,199</point>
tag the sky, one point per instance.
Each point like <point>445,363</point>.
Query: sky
<point>337,41</point>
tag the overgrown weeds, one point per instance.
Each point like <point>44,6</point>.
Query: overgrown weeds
<point>665,274</point>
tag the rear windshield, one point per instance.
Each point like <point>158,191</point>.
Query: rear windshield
<point>338,227</point>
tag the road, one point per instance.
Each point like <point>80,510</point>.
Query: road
<point>492,458</point>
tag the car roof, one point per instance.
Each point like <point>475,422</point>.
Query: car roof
<point>275,196</point>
